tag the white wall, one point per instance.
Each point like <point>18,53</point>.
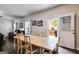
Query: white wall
<point>38,29</point>
<point>5,26</point>
<point>18,21</point>
<point>48,15</point>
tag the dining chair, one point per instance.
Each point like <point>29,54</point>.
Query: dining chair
<point>22,43</point>
<point>29,47</point>
<point>17,42</point>
<point>18,45</point>
<point>14,43</point>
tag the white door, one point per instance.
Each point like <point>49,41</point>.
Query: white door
<point>27,27</point>
<point>14,27</point>
<point>67,31</point>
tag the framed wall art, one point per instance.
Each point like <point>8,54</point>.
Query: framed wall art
<point>21,25</point>
<point>34,23</point>
<point>40,23</point>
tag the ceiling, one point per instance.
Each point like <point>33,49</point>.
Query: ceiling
<point>21,10</point>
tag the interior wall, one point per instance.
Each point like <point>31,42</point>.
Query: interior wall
<point>48,15</point>
<point>18,21</point>
<point>5,26</point>
<point>38,29</point>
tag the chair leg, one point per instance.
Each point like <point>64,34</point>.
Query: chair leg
<point>40,50</point>
<point>50,52</point>
<point>21,50</point>
<point>30,49</point>
<point>14,43</point>
<point>17,50</point>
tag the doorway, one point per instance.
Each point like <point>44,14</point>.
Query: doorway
<point>67,31</point>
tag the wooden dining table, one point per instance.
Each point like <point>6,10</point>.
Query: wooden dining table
<point>48,43</point>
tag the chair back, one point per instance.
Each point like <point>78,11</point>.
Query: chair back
<point>27,39</point>
<point>28,44</point>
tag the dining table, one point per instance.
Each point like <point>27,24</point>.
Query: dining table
<point>48,42</point>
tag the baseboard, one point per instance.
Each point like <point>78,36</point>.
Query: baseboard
<point>74,50</point>
<point>67,48</point>
<point>77,49</point>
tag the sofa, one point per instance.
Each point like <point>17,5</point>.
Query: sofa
<point>11,36</point>
<point>1,40</point>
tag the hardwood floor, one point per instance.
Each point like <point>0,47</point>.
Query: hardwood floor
<point>8,49</point>
<point>65,51</point>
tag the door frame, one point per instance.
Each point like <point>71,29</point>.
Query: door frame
<point>73,15</point>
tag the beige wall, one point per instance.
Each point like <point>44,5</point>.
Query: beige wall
<point>48,15</point>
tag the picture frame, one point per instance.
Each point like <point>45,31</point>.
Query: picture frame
<point>21,25</point>
<point>40,23</point>
<point>34,23</point>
